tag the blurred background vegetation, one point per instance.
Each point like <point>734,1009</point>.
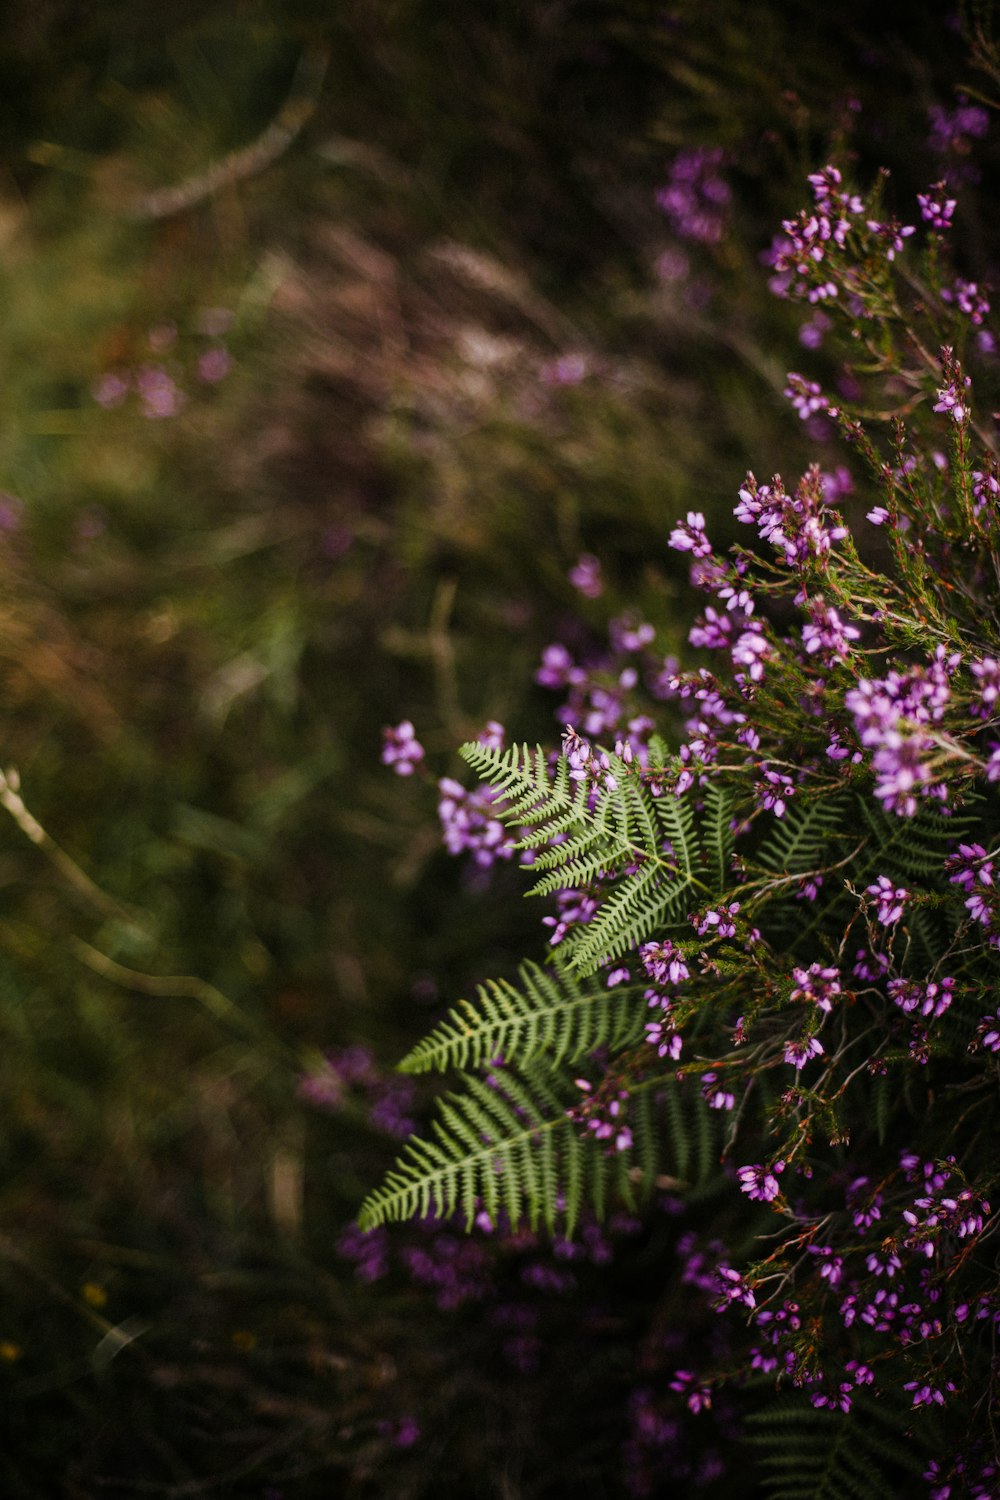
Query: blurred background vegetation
<point>332,336</point>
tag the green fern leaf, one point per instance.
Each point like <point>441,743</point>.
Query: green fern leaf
<point>514,1147</point>
<point>717,836</point>
<point>813,834</point>
<point>810,1454</point>
<point>637,909</point>
<point>548,1014</point>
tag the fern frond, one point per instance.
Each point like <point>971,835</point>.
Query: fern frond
<point>717,836</point>
<point>623,834</point>
<point>916,848</point>
<point>488,1150</point>
<point>532,789</point>
<point>813,833</point>
<point>637,910</point>
<point>810,1454</point>
<point>548,1014</point>
<point>515,1148</point>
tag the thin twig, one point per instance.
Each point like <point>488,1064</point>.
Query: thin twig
<point>301,103</point>
<point>10,798</point>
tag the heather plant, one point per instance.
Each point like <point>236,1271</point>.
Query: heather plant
<point>330,401</point>
<point>770,977</point>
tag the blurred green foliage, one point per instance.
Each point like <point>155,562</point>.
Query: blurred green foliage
<point>406,213</point>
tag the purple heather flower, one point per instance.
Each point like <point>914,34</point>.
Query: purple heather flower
<point>689,536</point>
<point>668,1043</point>
<point>368,1249</point>
<point>893,233</point>
<point>826,632</point>
<point>951,130</point>
<point>889,715</point>
<point>585,576</point>
<point>586,763</point>
<point>663,962</point>
<point>936,208</point>
<point>866,1207</point>
<point>926,1394</point>
<point>492,735</point>
<point>575,908</point>
<point>213,365</point>
<point>951,398</point>
<point>750,652</point>
<point>773,790</point>
<point>699,1395</point>
<point>988,1033</point>
<point>814,330</point>
<point>401,749</point>
<point>890,900</point>
<point>558,670</point>
<point>799,525</point>
<point>110,389</point>
<point>818,985</point>
<point>391,1106</point>
<point>711,631</point>
<point>159,393</point>
<point>805,395</point>
<point>696,196</point>
<point>468,824</point>
<point>720,921</point>
<point>831,1268</point>
<point>968,298</point>
<point>987,674</point>
<point>985,489</point>
<point>629,634</point>
<point>568,369</point>
<point>930,1000</point>
<point>800,1052</point>
<point>733,1288</point>
<point>715,1095</point>
<point>761,1183</point>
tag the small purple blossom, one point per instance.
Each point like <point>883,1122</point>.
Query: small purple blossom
<point>826,634</point>
<point>970,300</point>
<point>213,365</point>
<point>716,1095</point>
<point>732,1287</point>
<point>567,369</point>
<point>664,963</point>
<point>492,736</point>
<point>718,922</point>
<point>401,749</point>
<point>936,208</point>
<point>929,1000</point>
<point>662,1036</point>
<point>585,576</point>
<point>951,398</point>
<point>952,130</point>
<point>689,536</point>
<point>761,1183</point>
<point>892,233</point>
<point>773,790</point>
<point>800,1052</point>
<point>805,395</point>
<point>987,675</point>
<point>585,762</point>
<point>889,899</point>
<point>468,824</point>
<point>820,985</point>
<point>696,196</point>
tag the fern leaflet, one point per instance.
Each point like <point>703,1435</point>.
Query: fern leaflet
<point>548,1014</point>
